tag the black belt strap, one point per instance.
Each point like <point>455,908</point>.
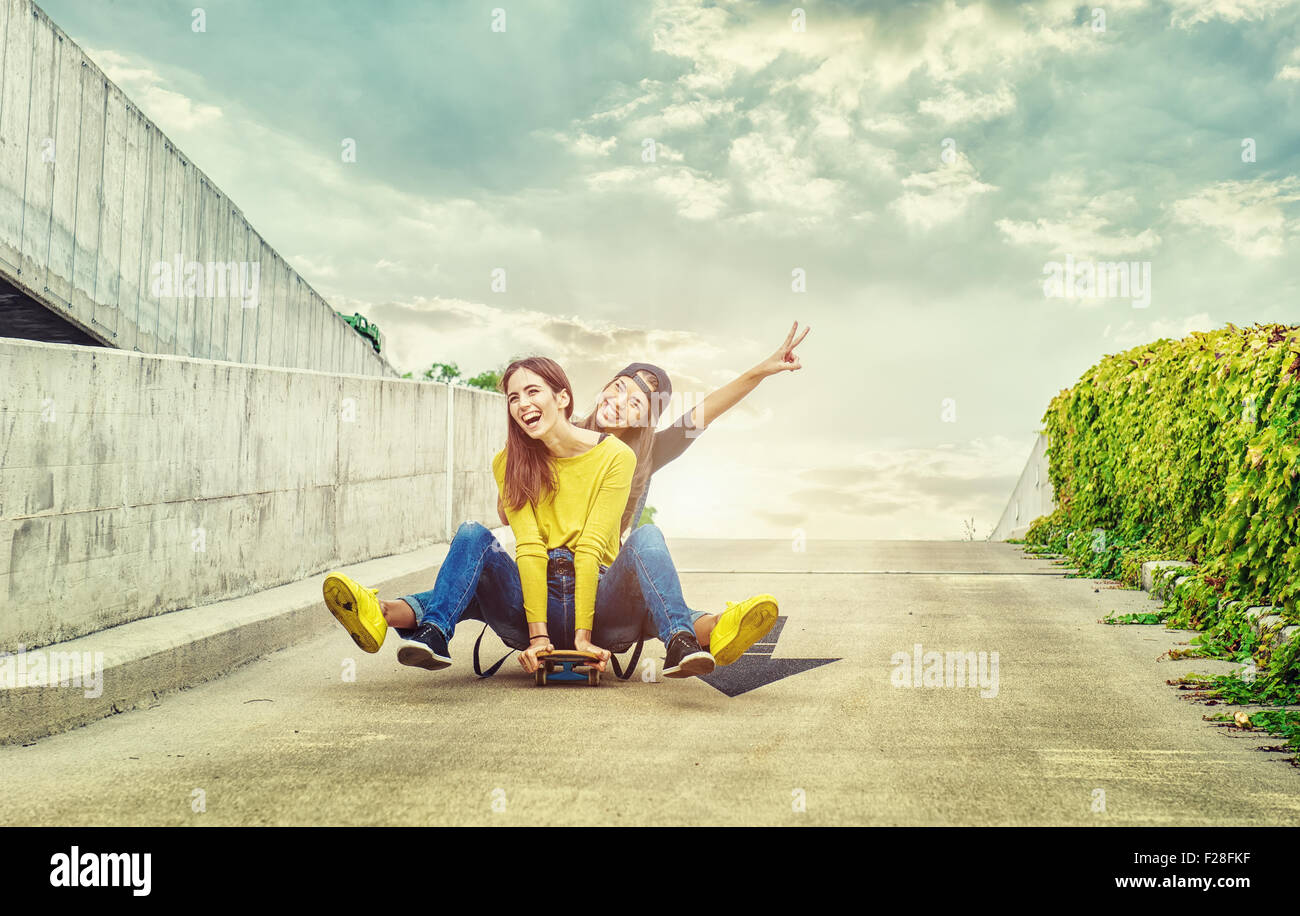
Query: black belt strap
<point>493,670</point>
<point>631,665</point>
<point>622,673</point>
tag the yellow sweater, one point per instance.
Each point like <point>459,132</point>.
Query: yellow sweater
<point>582,513</point>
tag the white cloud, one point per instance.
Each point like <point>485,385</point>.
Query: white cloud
<point>615,178</point>
<point>1187,13</point>
<point>1250,216</point>
<point>768,166</point>
<point>886,124</point>
<point>1087,229</point>
<point>1134,333</point>
<point>780,162</point>
<point>170,110</point>
<point>651,92</point>
<point>954,105</point>
<point>803,128</point>
<point>939,196</point>
<point>976,38</point>
<point>480,336</point>
<point>892,491</point>
<point>695,196</point>
<point>666,153</point>
<point>720,42</point>
<point>686,115</point>
<point>837,82</point>
<point>321,267</point>
<point>1291,69</point>
<point>582,143</point>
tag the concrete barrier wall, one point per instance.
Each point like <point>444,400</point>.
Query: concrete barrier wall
<point>94,199</point>
<point>135,484</point>
<point>471,488</point>
<point>1031,498</point>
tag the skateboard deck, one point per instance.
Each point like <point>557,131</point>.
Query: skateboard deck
<point>561,666</point>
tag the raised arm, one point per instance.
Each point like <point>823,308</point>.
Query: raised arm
<point>729,395</point>
<point>675,439</point>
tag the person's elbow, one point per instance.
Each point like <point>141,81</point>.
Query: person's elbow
<point>698,419</point>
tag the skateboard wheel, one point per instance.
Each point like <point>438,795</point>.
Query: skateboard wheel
<point>593,677</point>
<point>540,676</point>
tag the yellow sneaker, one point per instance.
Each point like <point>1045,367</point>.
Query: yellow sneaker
<point>740,626</point>
<point>357,608</point>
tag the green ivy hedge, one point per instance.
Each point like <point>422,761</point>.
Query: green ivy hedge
<point>1184,449</point>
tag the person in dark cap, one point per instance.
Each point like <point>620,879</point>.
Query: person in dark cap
<point>669,443</point>
<point>630,407</point>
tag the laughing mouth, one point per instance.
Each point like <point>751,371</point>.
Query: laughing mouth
<point>530,419</point>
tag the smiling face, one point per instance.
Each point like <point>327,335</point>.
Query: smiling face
<point>532,404</point>
<point>622,405</point>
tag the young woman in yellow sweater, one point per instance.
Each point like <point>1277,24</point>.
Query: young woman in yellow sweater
<point>629,407</point>
<point>564,489</point>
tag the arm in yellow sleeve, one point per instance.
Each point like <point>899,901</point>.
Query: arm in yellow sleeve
<point>599,539</point>
<point>530,550</point>
<point>530,557</point>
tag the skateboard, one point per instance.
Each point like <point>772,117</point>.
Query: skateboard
<point>560,666</point>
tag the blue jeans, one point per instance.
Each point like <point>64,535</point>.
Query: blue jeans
<point>637,596</point>
<point>640,595</point>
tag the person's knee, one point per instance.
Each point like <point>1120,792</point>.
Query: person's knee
<point>645,537</point>
<point>472,531</point>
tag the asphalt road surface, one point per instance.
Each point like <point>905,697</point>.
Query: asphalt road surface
<point>1070,723</point>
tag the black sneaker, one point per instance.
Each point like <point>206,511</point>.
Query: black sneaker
<point>685,657</point>
<point>424,647</point>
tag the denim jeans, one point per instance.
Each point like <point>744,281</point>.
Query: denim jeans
<point>637,596</point>
<point>640,595</point>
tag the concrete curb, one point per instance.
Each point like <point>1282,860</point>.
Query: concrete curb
<point>142,660</point>
<point>1269,626</point>
<point>1149,571</point>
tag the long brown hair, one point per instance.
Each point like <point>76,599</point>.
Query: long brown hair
<point>641,439</point>
<point>530,474</point>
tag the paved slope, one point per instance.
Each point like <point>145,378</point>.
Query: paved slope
<point>1079,707</point>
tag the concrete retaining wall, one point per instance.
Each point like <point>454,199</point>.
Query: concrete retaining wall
<point>134,484</point>
<point>1031,498</point>
<point>94,199</point>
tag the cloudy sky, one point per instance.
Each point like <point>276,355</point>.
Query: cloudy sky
<point>920,162</point>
